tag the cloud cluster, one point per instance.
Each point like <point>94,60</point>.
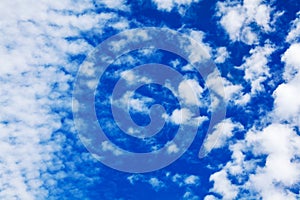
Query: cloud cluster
<point>265,164</point>
<point>272,179</point>
<point>37,40</point>
<point>39,49</point>
<point>187,182</point>
<point>237,17</point>
<point>286,95</point>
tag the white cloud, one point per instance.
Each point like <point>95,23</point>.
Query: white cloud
<point>156,183</point>
<point>287,100</point>
<point>185,116</point>
<point>259,11</point>
<point>287,96</point>
<point>190,91</point>
<point>117,4</point>
<point>168,5</point>
<point>172,148</point>
<point>107,146</point>
<point>129,101</point>
<point>181,116</point>
<point>222,132</point>
<point>292,61</point>
<point>189,195</point>
<point>223,185</point>
<point>210,197</point>
<point>280,144</point>
<point>134,178</point>
<point>191,180</point>
<point>265,164</point>
<point>221,55</point>
<point>236,18</point>
<point>129,76</point>
<point>243,99</point>
<point>198,50</point>
<point>185,180</point>
<point>133,78</point>
<point>248,36</point>
<point>293,35</point>
<point>256,67</point>
<point>230,15</point>
<point>199,36</point>
<point>222,89</point>
<point>164,5</point>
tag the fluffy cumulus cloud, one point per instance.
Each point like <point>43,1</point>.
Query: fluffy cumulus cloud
<point>272,180</point>
<point>287,101</point>
<point>222,132</point>
<point>256,67</point>
<point>222,90</point>
<point>292,61</point>
<point>221,55</point>
<point>273,170</point>
<point>281,145</point>
<point>185,116</point>
<point>236,18</point>
<point>190,91</point>
<point>35,90</point>
<point>286,96</point>
<point>223,186</point>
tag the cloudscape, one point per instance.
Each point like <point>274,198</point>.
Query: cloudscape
<point>149,99</point>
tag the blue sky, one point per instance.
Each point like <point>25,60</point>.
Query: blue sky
<point>251,153</point>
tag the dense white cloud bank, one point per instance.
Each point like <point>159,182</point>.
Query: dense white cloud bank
<point>34,80</point>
